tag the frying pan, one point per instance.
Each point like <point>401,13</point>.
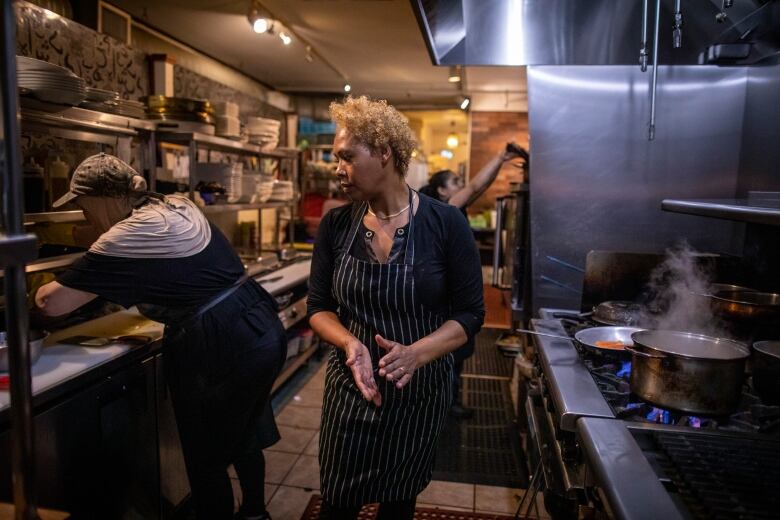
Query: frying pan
<point>589,339</point>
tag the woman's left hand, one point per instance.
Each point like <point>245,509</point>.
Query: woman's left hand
<point>399,363</point>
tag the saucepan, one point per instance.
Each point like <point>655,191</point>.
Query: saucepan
<point>610,342</point>
<point>766,371</point>
<point>36,338</point>
<point>687,372</point>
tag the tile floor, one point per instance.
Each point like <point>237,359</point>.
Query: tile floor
<point>292,469</point>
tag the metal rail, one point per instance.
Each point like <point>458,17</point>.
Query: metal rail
<point>22,434</point>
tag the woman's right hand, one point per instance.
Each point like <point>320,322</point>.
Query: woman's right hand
<point>359,361</point>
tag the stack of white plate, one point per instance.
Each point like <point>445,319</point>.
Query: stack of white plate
<point>263,131</point>
<point>130,108</point>
<point>265,190</point>
<point>228,123</point>
<point>282,191</point>
<point>235,186</point>
<point>48,82</point>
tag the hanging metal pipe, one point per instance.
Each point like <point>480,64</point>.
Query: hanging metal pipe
<point>678,23</point>
<point>22,438</point>
<point>643,47</point>
<point>651,129</point>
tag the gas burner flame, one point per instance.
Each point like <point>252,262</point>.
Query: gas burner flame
<point>694,422</point>
<point>657,415</point>
<point>625,370</point>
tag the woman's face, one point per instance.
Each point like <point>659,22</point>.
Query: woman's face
<point>361,174</point>
<point>453,185</point>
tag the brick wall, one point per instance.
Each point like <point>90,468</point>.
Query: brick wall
<point>490,131</point>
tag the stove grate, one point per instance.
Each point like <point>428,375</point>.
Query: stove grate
<point>723,477</point>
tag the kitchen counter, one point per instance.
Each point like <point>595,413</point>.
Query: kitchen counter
<point>61,367</point>
<point>60,363</point>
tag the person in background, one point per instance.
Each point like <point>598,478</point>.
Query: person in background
<point>223,343</point>
<point>448,187</point>
<point>395,286</point>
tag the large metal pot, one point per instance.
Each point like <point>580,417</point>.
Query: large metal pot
<point>690,373</point>
<point>744,305</point>
<point>37,338</point>
<point>766,371</point>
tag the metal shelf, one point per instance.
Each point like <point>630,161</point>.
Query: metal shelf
<point>47,264</point>
<point>224,208</point>
<point>54,217</point>
<point>75,118</point>
<point>221,143</point>
<point>754,211</point>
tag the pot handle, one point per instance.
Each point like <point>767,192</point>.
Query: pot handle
<point>643,354</point>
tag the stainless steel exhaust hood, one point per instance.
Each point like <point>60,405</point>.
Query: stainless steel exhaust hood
<point>595,32</point>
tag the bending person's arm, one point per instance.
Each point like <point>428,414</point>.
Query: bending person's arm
<point>55,299</point>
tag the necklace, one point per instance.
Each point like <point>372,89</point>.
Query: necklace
<point>388,217</point>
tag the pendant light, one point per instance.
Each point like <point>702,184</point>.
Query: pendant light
<point>454,76</point>
<point>452,138</point>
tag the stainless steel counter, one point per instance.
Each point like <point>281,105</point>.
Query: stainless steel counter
<point>571,386</point>
<point>623,472</point>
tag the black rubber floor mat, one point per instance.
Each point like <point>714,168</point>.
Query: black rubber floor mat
<point>484,449</point>
<point>487,359</point>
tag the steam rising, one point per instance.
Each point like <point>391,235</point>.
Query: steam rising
<point>675,289</point>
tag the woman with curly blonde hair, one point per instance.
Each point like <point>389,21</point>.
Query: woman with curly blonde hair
<point>395,286</point>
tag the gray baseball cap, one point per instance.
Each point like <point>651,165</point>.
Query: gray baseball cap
<point>101,175</point>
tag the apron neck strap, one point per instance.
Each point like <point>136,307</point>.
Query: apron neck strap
<point>357,218</point>
<point>409,249</point>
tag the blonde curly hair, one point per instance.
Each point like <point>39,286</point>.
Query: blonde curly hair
<point>376,124</point>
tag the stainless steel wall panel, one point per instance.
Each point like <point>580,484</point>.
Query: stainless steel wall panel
<point>579,32</point>
<point>597,182</point>
<point>760,144</point>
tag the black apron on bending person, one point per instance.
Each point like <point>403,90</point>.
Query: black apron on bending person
<point>220,366</point>
<point>369,453</point>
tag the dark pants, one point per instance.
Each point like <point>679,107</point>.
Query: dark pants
<point>403,510</point>
<point>250,465</point>
<point>220,371</point>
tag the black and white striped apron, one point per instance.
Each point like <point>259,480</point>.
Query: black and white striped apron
<point>380,454</point>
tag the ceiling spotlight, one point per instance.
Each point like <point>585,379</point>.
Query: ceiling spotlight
<point>454,74</point>
<point>465,103</point>
<point>258,22</point>
<point>347,87</point>
<point>260,25</point>
<point>286,39</point>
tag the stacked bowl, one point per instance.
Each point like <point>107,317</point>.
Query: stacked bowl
<point>264,132</point>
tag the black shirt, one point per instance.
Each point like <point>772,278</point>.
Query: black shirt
<point>179,284</point>
<point>447,271</point>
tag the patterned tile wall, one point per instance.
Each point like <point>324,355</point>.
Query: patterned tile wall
<point>99,59</point>
<point>193,85</point>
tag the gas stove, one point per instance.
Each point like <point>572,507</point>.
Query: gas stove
<point>612,378</point>
<point>615,453</point>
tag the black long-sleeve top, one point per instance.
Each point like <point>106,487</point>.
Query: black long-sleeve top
<point>447,271</point>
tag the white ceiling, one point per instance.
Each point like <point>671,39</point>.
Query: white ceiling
<point>375,44</point>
